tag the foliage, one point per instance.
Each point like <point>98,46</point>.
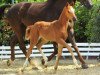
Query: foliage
<point>87,27</point>
<point>83,18</point>
<point>5,30</point>
<point>36,0</point>
<point>93,26</point>
<point>5,33</point>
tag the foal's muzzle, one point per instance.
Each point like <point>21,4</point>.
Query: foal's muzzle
<point>74,18</point>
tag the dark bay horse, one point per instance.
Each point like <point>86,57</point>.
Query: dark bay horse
<point>20,15</point>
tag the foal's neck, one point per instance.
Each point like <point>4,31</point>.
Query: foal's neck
<point>63,20</point>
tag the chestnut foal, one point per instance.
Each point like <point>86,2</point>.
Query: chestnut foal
<point>55,31</point>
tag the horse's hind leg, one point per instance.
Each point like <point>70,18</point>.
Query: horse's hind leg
<point>19,30</point>
<point>13,42</point>
<point>18,37</point>
<point>72,40</point>
<point>39,45</point>
<point>55,51</point>
<point>53,54</point>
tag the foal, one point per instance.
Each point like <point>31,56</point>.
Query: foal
<point>55,31</point>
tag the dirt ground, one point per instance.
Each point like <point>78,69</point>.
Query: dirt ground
<point>65,67</point>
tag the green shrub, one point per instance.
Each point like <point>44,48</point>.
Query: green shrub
<point>87,27</point>
<point>83,18</point>
<point>93,26</point>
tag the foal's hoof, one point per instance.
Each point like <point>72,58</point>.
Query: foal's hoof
<point>84,66</point>
<point>45,66</point>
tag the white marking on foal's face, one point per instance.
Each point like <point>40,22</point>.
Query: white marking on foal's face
<point>71,10</point>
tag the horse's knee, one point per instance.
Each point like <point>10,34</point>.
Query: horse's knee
<point>55,51</point>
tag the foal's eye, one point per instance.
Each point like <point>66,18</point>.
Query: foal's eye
<point>68,11</point>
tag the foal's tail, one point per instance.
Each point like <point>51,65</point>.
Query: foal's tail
<point>27,34</point>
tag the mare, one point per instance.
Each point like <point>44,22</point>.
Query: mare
<point>55,31</point>
<point>20,15</point>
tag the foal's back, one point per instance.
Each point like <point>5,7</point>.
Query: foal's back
<point>47,30</point>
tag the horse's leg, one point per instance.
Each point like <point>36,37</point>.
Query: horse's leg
<point>55,51</point>
<point>13,42</point>
<point>53,54</point>
<point>62,42</point>
<point>39,45</point>
<point>72,40</point>
<point>21,42</point>
<point>19,30</point>
<point>58,56</point>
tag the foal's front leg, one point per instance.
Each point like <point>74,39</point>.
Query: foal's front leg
<point>62,42</point>
<point>58,56</point>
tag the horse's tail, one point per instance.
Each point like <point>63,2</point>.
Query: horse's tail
<point>27,34</point>
<point>2,9</point>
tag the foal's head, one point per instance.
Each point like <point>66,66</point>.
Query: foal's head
<point>70,12</point>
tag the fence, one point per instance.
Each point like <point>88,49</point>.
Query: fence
<point>86,49</point>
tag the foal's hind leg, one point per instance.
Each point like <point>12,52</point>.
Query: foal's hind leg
<point>28,54</point>
<point>32,44</point>
<point>72,40</point>
<point>62,42</point>
<point>39,45</point>
<point>33,41</point>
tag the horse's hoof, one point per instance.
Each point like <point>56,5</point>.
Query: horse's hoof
<point>8,63</point>
<point>45,66</point>
<point>42,61</point>
<point>98,58</point>
<point>84,66</point>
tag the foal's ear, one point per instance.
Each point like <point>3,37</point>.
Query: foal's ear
<point>72,3</point>
<point>67,4</point>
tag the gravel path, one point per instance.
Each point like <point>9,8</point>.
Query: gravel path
<point>65,67</point>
